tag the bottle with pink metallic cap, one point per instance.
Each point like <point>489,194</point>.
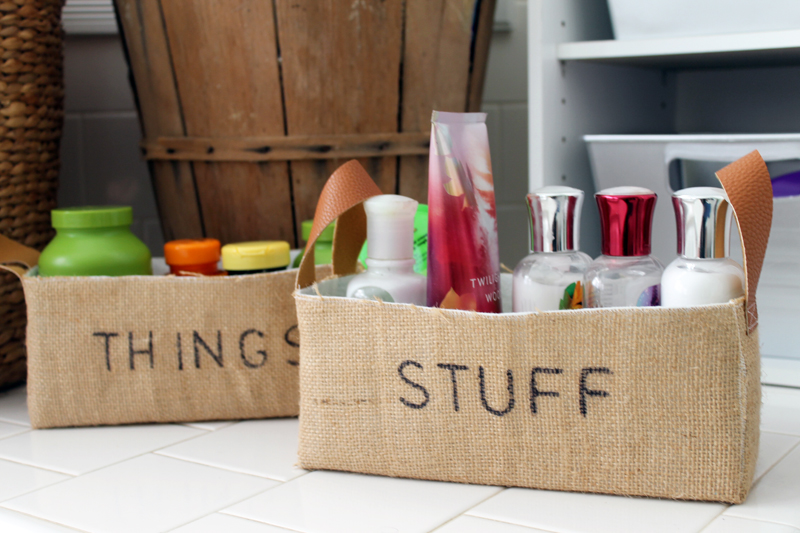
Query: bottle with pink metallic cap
<point>626,275</point>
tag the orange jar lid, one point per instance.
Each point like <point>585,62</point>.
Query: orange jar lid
<point>192,251</point>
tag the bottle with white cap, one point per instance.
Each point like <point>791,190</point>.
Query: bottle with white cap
<point>551,277</point>
<point>626,275</point>
<point>390,275</point>
<point>703,273</point>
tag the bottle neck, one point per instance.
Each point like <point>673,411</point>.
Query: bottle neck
<point>390,266</point>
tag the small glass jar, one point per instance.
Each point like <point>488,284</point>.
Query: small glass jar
<point>626,275</point>
<point>94,241</point>
<point>255,257</point>
<point>193,257</point>
<point>551,277</point>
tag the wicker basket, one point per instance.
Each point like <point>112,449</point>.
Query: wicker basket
<point>247,106</point>
<point>31,117</point>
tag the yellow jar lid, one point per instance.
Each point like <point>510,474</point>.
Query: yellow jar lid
<point>256,255</point>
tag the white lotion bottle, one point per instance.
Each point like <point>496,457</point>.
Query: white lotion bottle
<point>390,275</point>
<point>703,273</point>
<point>551,277</point>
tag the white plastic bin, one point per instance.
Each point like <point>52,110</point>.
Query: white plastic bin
<point>638,19</point>
<point>665,163</point>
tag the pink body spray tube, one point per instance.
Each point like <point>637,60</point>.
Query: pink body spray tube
<point>463,254</point>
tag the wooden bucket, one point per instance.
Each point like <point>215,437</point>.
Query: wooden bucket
<point>247,106</point>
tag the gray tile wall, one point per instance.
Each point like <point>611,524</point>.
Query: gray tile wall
<point>100,154</point>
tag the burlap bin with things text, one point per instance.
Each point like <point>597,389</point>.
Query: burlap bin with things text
<point>133,349</point>
<point>636,401</point>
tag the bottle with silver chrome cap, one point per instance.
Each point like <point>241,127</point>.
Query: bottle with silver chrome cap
<point>551,277</point>
<point>626,275</point>
<point>703,273</point>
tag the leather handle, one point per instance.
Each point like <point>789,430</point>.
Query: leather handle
<point>749,189</point>
<point>13,254</point>
<point>341,198</point>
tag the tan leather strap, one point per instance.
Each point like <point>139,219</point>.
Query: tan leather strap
<point>341,198</point>
<point>749,189</point>
<point>13,252</point>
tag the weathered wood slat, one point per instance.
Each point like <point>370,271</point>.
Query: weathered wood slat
<point>226,63</point>
<point>341,75</point>
<point>483,36</point>
<point>249,105</point>
<point>285,148</point>
<point>436,75</point>
<point>160,113</point>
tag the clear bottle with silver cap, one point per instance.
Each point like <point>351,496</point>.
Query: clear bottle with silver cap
<point>703,273</point>
<point>551,277</point>
<point>626,275</point>
<point>390,274</point>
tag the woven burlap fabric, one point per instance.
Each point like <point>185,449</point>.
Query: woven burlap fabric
<point>678,416</point>
<point>222,348</point>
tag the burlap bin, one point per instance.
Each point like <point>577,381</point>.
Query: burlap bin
<point>635,401</point>
<point>121,350</point>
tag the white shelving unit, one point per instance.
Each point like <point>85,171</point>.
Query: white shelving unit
<point>711,51</point>
<point>581,81</point>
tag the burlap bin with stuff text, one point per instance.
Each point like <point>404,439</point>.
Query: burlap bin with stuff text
<point>134,349</point>
<point>636,401</point>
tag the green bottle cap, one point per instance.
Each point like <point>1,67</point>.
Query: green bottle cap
<point>91,217</point>
<point>325,236</point>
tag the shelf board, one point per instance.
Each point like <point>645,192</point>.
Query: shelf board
<point>727,50</point>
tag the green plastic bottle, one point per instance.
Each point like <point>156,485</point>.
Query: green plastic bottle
<point>323,247</point>
<point>94,241</point>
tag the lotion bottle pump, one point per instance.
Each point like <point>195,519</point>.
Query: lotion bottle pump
<point>390,275</point>
<point>626,275</point>
<point>703,273</point>
<point>551,277</point>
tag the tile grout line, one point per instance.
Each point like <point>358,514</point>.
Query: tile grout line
<point>15,422</point>
<point>762,521</point>
<point>213,511</point>
<point>109,464</point>
<point>18,462</point>
<point>198,462</point>
<point>46,520</point>
<point>222,509</point>
<point>533,529</point>
<point>240,518</point>
<point>773,465</point>
<point>464,512</point>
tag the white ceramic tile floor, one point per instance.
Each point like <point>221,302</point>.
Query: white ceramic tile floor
<point>17,479</point>
<point>565,512</point>
<point>211,425</point>
<point>265,448</point>
<point>14,522</point>
<point>352,503</point>
<point>7,429</point>
<point>776,496</point>
<point>148,493</point>
<point>240,477</point>
<point>218,522</point>
<point>78,450</point>
<point>473,524</point>
<point>732,524</point>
